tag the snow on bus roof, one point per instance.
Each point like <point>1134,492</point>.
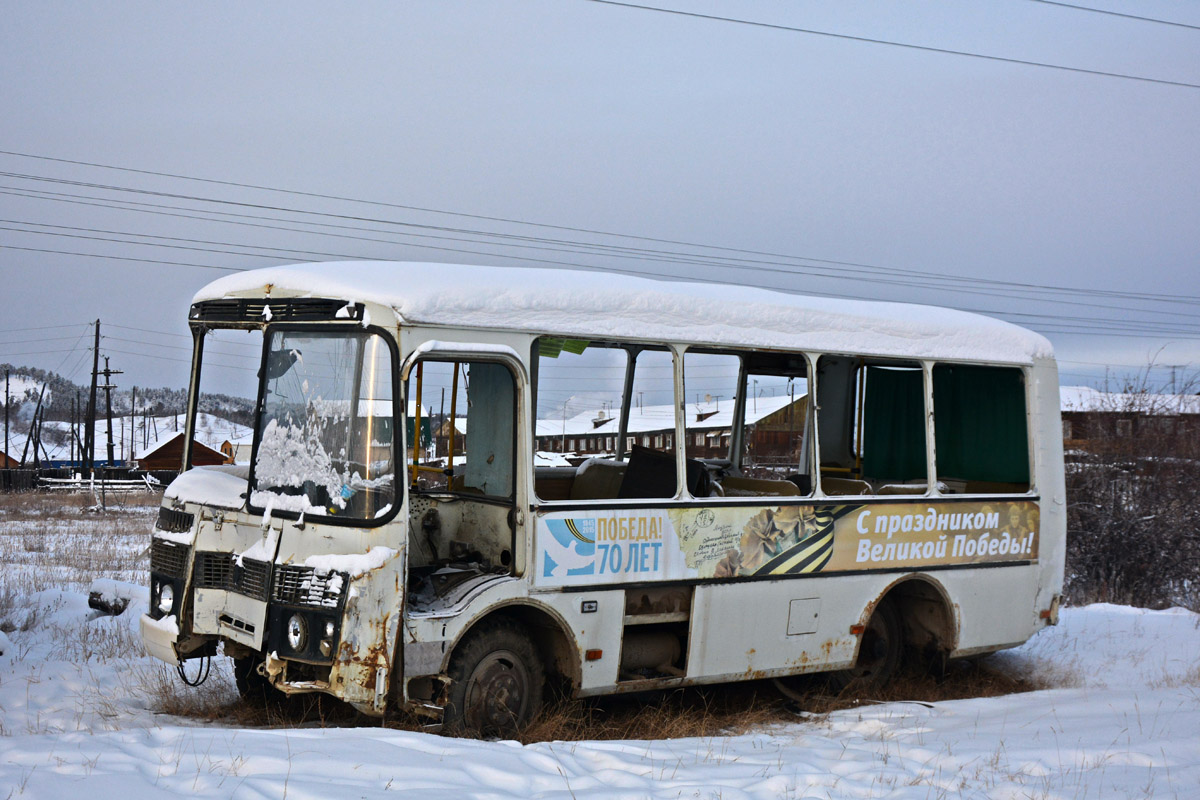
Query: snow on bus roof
<point>603,304</point>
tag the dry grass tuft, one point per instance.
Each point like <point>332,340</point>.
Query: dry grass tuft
<point>210,701</point>
<point>217,700</point>
<point>962,680</point>
<point>682,713</point>
<point>691,712</point>
<point>1190,678</point>
<point>735,708</point>
<point>55,505</point>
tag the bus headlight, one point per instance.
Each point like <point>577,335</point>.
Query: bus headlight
<point>297,633</point>
<point>166,598</point>
<point>326,645</point>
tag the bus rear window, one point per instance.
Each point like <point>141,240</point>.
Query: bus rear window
<point>980,430</point>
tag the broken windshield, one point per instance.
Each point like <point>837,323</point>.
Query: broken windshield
<point>326,425</point>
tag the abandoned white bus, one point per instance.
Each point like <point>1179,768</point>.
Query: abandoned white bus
<point>467,484</point>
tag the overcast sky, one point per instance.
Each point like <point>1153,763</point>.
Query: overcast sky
<point>847,167</point>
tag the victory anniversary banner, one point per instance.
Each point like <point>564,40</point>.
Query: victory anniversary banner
<point>636,545</point>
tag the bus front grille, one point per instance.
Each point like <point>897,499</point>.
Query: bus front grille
<point>304,586</point>
<point>168,558</point>
<point>222,571</point>
<point>174,521</point>
<point>290,309</point>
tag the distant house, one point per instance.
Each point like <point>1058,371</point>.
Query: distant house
<point>1105,422</point>
<point>441,436</point>
<point>237,449</point>
<point>44,452</point>
<point>773,429</point>
<point>167,454</point>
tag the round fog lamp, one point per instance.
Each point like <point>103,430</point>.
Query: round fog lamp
<point>297,632</point>
<point>328,630</point>
<point>166,598</point>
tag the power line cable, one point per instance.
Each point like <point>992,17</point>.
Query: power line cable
<point>1023,289</point>
<point>181,360</point>
<point>1110,324</point>
<point>47,327</point>
<point>1084,322</point>
<point>494,219</point>
<point>146,330</point>
<point>1106,12</point>
<point>1099,326</point>
<point>122,258</point>
<point>172,246</point>
<point>74,348</point>
<point>889,43</point>
<point>1098,329</point>
<point>38,339</point>
<point>207,350</point>
<point>556,263</point>
<point>38,352</point>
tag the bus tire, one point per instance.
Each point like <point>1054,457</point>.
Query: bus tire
<point>878,653</point>
<point>253,687</point>
<point>496,682</point>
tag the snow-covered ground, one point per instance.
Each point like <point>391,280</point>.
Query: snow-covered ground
<point>77,718</point>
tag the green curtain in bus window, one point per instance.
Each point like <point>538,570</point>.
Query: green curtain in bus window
<point>894,424</point>
<point>979,423</point>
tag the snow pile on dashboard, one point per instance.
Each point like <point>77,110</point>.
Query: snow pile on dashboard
<point>221,486</point>
<point>291,456</point>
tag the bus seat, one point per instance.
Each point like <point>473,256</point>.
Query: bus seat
<point>736,486</point>
<point>844,486</point>
<point>553,483</point>
<point>903,488</point>
<point>598,479</point>
<point>651,473</point>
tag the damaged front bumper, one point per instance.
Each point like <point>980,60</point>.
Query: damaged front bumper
<point>159,636</point>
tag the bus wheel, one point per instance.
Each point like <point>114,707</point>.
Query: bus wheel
<point>878,653</point>
<point>496,682</point>
<point>253,687</point>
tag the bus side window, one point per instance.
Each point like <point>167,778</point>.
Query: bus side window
<point>981,437</point>
<point>592,442</point>
<point>871,419</point>
<point>776,424</point>
<point>467,415</point>
<point>774,458</point>
<point>710,386</point>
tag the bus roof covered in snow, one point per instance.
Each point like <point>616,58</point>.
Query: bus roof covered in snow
<point>603,304</point>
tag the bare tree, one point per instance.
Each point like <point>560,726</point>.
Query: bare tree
<point>1133,491</point>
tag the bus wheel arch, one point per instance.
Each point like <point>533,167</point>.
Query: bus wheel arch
<point>927,617</point>
<point>880,648</point>
<point>549,634</point>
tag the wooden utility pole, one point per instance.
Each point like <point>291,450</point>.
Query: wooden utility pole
<point>32,428</point>
<point>37,439</point>
<point>108,387</point>
<point>132,422</point>
<point>76,408</point>
<point>89,430</point>
<point>6,455</point>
